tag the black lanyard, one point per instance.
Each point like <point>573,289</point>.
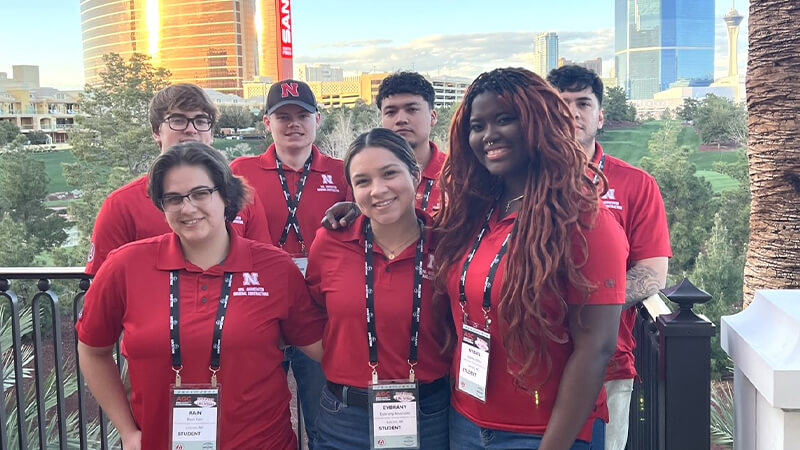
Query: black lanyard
<point>416,306</point>
<point>174,330</point>
<point>487,285</point>
<point>600,167</point>
<point>292,203</point>
<point>426,194</point>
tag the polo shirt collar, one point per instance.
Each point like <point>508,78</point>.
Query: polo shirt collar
<point>354,233</point>
<point>598,153</point>
<point>268,159</point>
<point>170,256</point>
<point>435,163</point>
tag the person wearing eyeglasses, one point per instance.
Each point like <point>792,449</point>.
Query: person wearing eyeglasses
<point>203,311</point>
<point>178,113</point>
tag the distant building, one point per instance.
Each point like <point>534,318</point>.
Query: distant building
<point>23,77</point>
<point>673,98</point>
<point>215,44</point>
<point>660,42</point>
<point>319,72</point>
<point>448,90</point>
<point>595,65</point>
<point>40,109</point>
<point>545,53</point>
<point>732,21</point>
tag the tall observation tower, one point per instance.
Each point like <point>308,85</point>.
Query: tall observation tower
<point>733,19</point>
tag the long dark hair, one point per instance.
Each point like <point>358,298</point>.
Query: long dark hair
<point>560,200</point>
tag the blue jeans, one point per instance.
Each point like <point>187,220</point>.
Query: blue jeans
<point>466,435</point>
<point>310,380</point>
<point>341,426</point>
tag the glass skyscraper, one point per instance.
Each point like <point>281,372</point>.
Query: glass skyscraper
<point>663,43</point>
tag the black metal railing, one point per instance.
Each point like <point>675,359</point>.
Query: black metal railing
<point>670,406</point>
<point>47,398</point>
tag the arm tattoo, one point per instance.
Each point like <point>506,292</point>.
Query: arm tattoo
<point>640,283</point>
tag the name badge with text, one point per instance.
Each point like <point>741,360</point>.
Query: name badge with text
<point>301,262</point>
<point>393,414</point>
<point>473,368</point>
<point>194,423</point>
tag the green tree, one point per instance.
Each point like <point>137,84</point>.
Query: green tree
<point>688,199</point>
<point>37,137</point>
<point>719,270</point>
<point>440,134</point>
<point>689,110</point>
<point>341,125</point>
<point>8,132</point>
<point>112,141</point>
<point>720,121</point>
<point>23,187</point>
<point>232,116</point>
<point>616,107</point>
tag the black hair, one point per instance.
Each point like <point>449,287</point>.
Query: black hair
<point>405,83</point>
<point>383,138</point>
<point>233,190</point>
<point>573,78</point>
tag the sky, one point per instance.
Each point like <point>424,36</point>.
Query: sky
<point>437,37</point>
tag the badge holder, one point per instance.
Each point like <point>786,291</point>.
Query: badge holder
<point>393,412</point>
<point>473,368</point>
<point>194,422</point>
<point>301,261</point>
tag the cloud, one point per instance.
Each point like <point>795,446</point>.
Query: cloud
<point>463,55</point>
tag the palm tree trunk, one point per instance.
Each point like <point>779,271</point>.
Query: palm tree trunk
<point>773,150</point>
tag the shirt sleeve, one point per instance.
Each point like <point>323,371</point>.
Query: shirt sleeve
<point>602,263</point>
<point>305,321</point>
<point>112,229</point>
<point>648,234</point>
<point>316,258</point>
<point>255,225</point>
<point>100,322</point>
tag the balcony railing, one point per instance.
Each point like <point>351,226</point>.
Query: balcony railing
<point>669,407</point>
<point>49,404</point>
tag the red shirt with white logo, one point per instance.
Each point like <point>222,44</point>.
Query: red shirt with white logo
<point>430,176</point>
<point>128,214</point>
<point>336,279</point>
<point>634,198</point>
<point>508,408</point>
<point>268,300</point>
<point>324,186</point>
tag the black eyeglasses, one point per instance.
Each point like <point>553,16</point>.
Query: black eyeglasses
<point>198,197</point>
<point>181,123</point>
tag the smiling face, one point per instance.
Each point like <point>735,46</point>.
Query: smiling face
<point>293,128</point>
<point>166,137</point>
<point>195,223</point>
<point>410,116</point>
<point>588,114</point>
<point>383,186</point>
<point>496,136</point>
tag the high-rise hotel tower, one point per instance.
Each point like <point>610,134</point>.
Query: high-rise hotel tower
<point>214,43</point>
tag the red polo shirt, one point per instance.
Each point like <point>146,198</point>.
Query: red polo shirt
<point>508,408</point>
<point>128,215</point>
<point>324,186</point>
<point>336,280</point>
<point>635,200</point>
<point>431,175</point>
<point>131,293</point>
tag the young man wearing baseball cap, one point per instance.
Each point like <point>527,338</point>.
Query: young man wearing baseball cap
<point>296,184</point>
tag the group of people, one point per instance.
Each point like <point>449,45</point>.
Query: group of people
<point>477,299</point>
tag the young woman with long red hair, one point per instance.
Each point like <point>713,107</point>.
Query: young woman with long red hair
<point>534,268</point>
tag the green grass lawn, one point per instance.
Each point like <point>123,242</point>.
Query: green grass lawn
<point>630,145</point>
<point>52,165</point>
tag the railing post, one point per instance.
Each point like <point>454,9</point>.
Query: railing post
<point>685,373</point>
<point>16,344</point>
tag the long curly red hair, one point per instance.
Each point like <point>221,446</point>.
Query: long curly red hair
<point>560,200</point>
